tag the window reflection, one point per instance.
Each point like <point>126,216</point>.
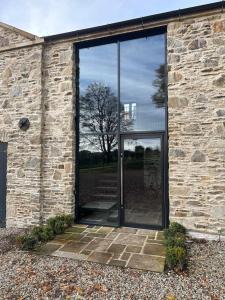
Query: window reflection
<point>142,81</point>
<point>98,183</point>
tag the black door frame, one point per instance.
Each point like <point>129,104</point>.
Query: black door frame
<point>117,39</point>
<point>3,172</point>
<point>161,136</point>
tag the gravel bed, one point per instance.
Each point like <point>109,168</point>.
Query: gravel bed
<point>7,239</point>
<point>28,276</point>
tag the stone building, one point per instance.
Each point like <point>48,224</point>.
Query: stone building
<point>121,125</point>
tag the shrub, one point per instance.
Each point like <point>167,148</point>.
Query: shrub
<point>176,227</point>
<point>68,219</point>
<point>39,234</point>
<point>59,223</point>
<point>27,242</point>
<point>175,246</point>
<point>177,240</point>
<point>59,227</point>
<point>176,258</point>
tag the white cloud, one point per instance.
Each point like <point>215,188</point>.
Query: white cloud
<point>44,17</point>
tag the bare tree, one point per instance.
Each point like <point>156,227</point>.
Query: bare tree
<point>99,115</point>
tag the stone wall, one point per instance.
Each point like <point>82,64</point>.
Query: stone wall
<point>58,130</point>
<point>37,81</point>
<point>196,90</point>
<point>20,96</point>
<point>9,37</point>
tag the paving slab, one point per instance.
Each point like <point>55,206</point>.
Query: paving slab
<point>100,257</point>
<point>147,262</point>
<point>130,239</point>
<point>123,247</point>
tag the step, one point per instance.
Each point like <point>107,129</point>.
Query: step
<point>113,216</point>
<point>99,205</point>
<point>106,195</point>
<point>107,187</point>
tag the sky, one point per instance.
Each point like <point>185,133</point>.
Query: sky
<point>46,17</point>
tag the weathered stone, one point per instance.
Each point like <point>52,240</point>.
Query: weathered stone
<point>175,77</point>
<point>197,44</point>
<point>219,26</point>
<point>198,156</point>
<point>175,102</point>
<point>57,175</point>
<point>177,153</point>
<point>16,91</point>
<point>211,63</point>
<point>220,112</point>
<point>220,82</point>
<point>173,58</point>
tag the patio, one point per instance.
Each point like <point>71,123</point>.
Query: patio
<point>125,247</point>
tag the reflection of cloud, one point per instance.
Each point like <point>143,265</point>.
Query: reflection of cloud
<point>139,59</point>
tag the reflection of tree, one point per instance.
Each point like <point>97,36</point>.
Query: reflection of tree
<point>160,83</point>
<point>99,115</point>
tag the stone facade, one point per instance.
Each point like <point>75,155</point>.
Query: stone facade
<point>37,81</point>
<point>196,102</point>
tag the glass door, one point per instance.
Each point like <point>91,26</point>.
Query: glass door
<point>142,180</point>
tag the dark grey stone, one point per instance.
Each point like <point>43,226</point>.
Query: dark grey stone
<point>197,44</point>
<point>220,82</point>
<point>220,112</point>
<point>198,156</point>
<point>177,153</point>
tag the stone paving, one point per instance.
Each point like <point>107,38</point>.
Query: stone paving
<point>125,247</point>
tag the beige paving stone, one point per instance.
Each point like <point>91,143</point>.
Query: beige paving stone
<point>96,234</point>
<point>125,230</point>
<point>118,263</point>
<point>86,252</point>
<point>160,235</point>
<point>72,255</point>
<point>150,233</point>
<point>105,230</point>
<point>100,257</point>
<point>64,236</point>
<point>133,249</point>
<point>125,256</point>
<point>76,229</point>
<point>98,245</point>
<point>150,241</point>
<point>112,235</point>
<point>48,248</point>
<point>130,239</point>
<point>86,239</point>
<point>116,249</point>
<point>147,262</point>
<point>154,249</point>
<point>73,247</point>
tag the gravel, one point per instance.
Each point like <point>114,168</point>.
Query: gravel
<point>29,276</point>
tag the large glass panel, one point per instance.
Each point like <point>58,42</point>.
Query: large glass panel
<point>98,181</point>
<point>98,89</point>
<point>142,181</point>
<point>142,82</point>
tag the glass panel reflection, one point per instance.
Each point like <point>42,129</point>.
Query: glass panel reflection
<point>142,81</point>
<point>142,181</point>
<point>98,181</point>
<point>98,89</point>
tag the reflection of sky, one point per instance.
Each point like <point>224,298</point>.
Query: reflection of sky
<point>99,64</point>
<point>153,143</point>
<point>139,58</point>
